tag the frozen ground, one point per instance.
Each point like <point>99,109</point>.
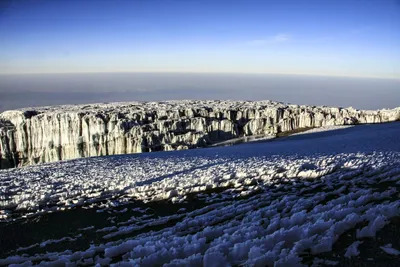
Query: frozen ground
<point>278,203</point>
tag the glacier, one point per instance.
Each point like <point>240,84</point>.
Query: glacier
<point>47,134</point>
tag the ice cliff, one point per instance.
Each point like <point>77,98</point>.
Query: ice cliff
<point>30,136</point>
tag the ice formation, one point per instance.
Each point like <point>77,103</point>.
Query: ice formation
<point>390,250</point>
<point>48,134</point>
<point>352,250</point>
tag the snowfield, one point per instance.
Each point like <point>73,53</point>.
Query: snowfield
<point>262,203</point>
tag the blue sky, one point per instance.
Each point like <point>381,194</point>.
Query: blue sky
<point>330,37</point>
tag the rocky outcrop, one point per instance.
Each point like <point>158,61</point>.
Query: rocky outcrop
<point>30,136</point>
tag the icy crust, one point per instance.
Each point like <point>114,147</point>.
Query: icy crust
<point>274,227</point>
<point>34,190</point>
<point>51,134</point>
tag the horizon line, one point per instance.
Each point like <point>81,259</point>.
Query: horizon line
<point>207,72</point>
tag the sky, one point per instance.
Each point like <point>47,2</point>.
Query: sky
<point>32,90</point>
<point>358,38</point>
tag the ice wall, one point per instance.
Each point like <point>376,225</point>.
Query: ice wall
<point>30,136</point>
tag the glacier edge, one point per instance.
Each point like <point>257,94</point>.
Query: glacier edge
<point>47,134</point>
